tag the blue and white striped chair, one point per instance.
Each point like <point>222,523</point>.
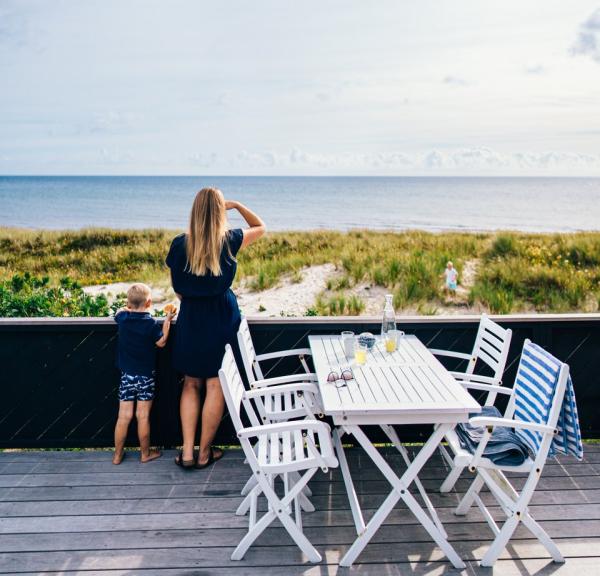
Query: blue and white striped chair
<point>543,413</point>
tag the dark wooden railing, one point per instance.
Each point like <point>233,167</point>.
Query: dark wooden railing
<point>59,382</point>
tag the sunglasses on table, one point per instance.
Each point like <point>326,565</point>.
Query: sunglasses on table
<point>340,379</point>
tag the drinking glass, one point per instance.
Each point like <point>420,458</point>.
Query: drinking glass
<point>392,339</point>
<point>360,353</point>
<point>348,343</point>
<point>390,342</point>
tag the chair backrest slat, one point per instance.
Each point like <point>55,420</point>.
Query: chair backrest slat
<point>491,346</point>
<point>493,327</point>
<point>493,340</point>
<point>489,355</point>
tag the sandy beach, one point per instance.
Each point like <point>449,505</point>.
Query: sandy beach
<point>295,295</point>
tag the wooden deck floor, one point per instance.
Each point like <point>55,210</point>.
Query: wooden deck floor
<point>71,512</point>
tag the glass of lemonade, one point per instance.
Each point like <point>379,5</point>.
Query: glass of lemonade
<point>390,342</point>
<point>360,353</point>
<point>392,339</point>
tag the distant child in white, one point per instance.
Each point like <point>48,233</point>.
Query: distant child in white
<point>451,277</point>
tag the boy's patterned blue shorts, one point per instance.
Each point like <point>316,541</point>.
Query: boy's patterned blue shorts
<point>135,387</point>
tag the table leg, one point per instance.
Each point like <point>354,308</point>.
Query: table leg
<point>352,496</point>
<point>390,432</point>
<point>400,492</point>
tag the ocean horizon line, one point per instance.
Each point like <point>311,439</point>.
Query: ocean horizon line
<point>312,176</point>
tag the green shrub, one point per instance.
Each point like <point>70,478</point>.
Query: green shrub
<point>25,295</point>
<point>503,245</point>
<point>497,301</point>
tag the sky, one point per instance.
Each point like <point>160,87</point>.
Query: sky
<point>318,87</point>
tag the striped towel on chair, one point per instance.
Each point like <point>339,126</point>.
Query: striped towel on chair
<point>568,437</point>
<point>534,391</point>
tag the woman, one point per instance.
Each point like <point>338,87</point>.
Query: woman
<point>203,266</point>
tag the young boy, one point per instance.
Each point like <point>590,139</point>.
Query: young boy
<point>139,335</point>
<point>451,277</point>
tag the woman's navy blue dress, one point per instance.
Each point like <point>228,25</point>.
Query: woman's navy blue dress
<point>209,317</point>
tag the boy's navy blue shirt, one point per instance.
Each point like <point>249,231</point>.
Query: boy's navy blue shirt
<point>138,334</point>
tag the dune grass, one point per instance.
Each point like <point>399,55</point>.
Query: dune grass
<point>557,273</point>
<point>517,272</point>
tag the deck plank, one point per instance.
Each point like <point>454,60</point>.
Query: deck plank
<point>537,567</point>
<point>227,519</point>
<point>258,556</point>
<point>229,503</point>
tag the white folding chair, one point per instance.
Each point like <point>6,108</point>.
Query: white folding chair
<point>491,348</point>
<point>292,396</point>
<point>285,403</point>
<point>280,449</point>
<point>533,411</point>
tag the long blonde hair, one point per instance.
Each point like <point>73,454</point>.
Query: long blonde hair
<point>206,236</point>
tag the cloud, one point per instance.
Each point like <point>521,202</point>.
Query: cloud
<point>19,26</point>
<point>535,69</point>
<point>203,160</point>
<point>434,159</point>
<point>323,96</point>
<point>223,98</point>
<point>588,38</point>
<point>111,122</point>
<point>479,158</point>
<point>550,160</point>
<point>257,159</point>
<point>116,156</point>
<point>455,81</point>
<point>468,160</point>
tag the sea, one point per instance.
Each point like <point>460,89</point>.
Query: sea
<point>307,203</point>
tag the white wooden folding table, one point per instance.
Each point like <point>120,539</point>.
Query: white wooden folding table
<point>407,386</point>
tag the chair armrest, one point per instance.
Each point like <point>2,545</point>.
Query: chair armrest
<point>489,423</point>
<point>302,425</point>
<point>510,423</point>
<point>462,355</point>
<point>296,387</point>
<point>302,377</point>
<point>283,353</point>
<point>486,387</point>
<point>463,376</point>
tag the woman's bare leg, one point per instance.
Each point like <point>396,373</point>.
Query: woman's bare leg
<point>189,409</point>
<point>212,413</point>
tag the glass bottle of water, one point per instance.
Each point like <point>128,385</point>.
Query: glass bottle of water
<point>389,316</point>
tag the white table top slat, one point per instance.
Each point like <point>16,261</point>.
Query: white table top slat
<point>409,384</point>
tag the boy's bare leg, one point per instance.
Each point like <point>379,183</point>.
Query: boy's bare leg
<point>123,421</point>
<point>212,413</point>
<point>189,409</point>
<point>142,414</point>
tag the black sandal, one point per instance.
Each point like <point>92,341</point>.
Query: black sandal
<point>211,459</point>
<point>185,464</point>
